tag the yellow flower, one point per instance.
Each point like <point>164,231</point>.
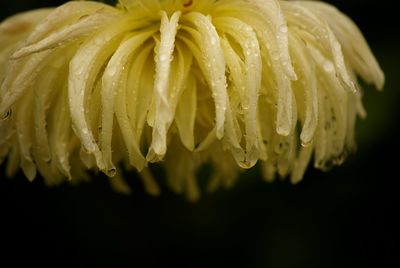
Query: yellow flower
<point>184,83</point>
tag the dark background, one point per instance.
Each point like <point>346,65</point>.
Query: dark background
<point>346,217</point>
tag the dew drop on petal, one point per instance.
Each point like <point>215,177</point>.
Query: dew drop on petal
<point>6,115</point>
<point>111,172</point>
<point>328,66</point>
<point>337,46</point>
<point>283,28</point>
<point>163,57</point>
<point>306,144</point>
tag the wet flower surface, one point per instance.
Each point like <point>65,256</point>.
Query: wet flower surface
<point>180,83</point>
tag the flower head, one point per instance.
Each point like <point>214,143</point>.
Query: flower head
<point>180,83</point>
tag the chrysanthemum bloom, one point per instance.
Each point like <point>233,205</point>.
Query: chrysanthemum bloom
<point>228,83</point>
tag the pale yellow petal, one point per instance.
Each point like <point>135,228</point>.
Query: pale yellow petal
<point>84,68</point>
<point>164,54</point>
<point>113,84</point>
<point>186,114</point>
<point>214,65</point>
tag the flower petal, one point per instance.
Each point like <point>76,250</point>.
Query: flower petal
<point>214,65</point>
<point>113,84</point>
<point>84,68</point>
<point>165,51</point>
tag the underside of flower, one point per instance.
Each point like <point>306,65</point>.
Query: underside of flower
<point>229,83</point>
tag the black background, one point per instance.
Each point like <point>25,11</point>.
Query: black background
<point>346,217</point>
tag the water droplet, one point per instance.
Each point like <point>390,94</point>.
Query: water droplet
<point>244,164</point>
<point>338,160</point>
<point>6,115</point>
<point>306,143</point>
<point>327,165</point>
<point>85,150</point>
<point>337,46</point>
<point>163,57</point>
<point>283,28</point>
<point>354,88</point>
<point>112,70</point>
<point>111,172</point>
<point>328,66</point>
